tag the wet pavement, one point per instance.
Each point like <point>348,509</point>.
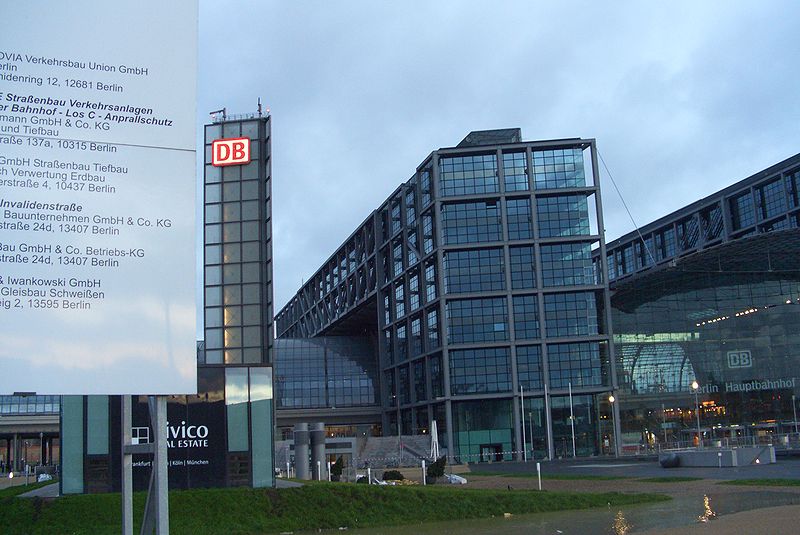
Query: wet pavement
<point>785,468</point>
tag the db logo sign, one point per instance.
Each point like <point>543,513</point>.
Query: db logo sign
<point>740,359</point>
<point>233,151</point>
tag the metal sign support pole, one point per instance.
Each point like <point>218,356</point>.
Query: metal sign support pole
<point>156,509</point>
<point>127,469</point>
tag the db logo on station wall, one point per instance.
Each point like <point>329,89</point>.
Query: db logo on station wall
<point>233,151</point>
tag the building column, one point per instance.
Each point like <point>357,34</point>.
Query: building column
<point>14,458</point>
<point>301,451</point>
<point>317,432</point>
<point>41,449</point>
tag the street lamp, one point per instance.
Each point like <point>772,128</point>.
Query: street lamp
<point>696,387</point>
<point>611,400</point>
<point>794,412</point>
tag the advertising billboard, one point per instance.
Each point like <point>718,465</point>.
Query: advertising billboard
<point>97,197</point>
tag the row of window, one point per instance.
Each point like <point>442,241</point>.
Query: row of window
<point>478,174</point>
<point>759,204</point>
<point>486,319</point>
<point>481,221</point>
<point>488,370</point>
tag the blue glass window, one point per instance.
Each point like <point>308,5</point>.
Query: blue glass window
<point>419,381</point>
<point>467,175</point>
<point>561,168</point>
<point>514,171</point>
<point>471,222</point>
<point>437,376</point>
<point>518,213</point>
<point>743,211</point>
<point>430,282</point>
<point>523,269</point>
<point>529,367</point>
<point>427,234</point>
<point>564,215</point>
<point>433,329</point>
<point>526,317</point>
<point>570,314</point>
<point>772,199</point>
<point>567,264</point>
<point>476,270</point>
<point>399,300</point>
<point>581,364</point>
<point>477,320</point>
<point>416,337</point>
<point>479,371</point>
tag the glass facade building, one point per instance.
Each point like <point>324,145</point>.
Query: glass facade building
<point>477,277</point>
<point>28,432</point>
<point>223,435</point>
<point>710,295</point>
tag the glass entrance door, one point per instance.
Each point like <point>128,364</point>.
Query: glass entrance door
<point>584,414</point>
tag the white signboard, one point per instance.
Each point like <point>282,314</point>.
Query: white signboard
<point>97,197</point>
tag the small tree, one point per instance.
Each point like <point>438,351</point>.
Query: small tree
<point>336,470</point>
<point>436,469</point>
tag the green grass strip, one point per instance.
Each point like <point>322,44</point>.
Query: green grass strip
<point>763,482</point>
<point>254,511</point>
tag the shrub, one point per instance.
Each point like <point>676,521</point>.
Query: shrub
<point>336,470</point>
<point>436,469</point>
<point>392,475</point>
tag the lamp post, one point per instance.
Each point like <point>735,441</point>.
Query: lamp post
<point>696,387</point>
<point>611,400</point>
<point>794,412</point>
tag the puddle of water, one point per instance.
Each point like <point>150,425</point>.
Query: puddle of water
<point>625,520</point>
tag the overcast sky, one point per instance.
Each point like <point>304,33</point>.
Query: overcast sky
<point>684,98</point>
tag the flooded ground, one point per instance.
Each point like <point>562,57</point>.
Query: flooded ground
<point>681,511</point>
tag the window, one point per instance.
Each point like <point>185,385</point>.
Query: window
<point>529,367</point>
<point>433,329</point>
<point>564,215</point>
<point>399,300</point>
<point>477,270</point>
<point>427,234</point>
<point>477,320</point>
<point>526,317</point>
<point>568,264</point>
<point>523,269</point>
<point>515,172</point>
<point>579,364</point>
<point>472,222</point>
<point>743,211</point>
<point>561,168</point>
<point>467,175</point>
<point>518,217</point>
<point>479,371</point>
<point>570,314</point>
<point>430,282</point>
<point>772,199</point>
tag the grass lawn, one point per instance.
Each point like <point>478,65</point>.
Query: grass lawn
<point>763,482</point>
<point>311,507</point>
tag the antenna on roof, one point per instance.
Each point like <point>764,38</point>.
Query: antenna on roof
<point>217,112</point>
<point>259,106</point>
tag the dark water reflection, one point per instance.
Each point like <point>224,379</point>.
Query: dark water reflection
<point>604,521</point>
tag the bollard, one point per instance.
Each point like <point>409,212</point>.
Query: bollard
<point>424,474</point>
<point>539,474</point>
<point>369,476</point>
<point>329,471</point>
<point>287,470</point>
<point>319,471</point>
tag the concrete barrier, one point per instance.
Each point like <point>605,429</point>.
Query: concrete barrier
<point>725,458</point>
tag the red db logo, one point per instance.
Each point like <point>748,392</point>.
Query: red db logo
<point>233,151</point>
